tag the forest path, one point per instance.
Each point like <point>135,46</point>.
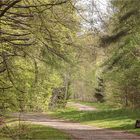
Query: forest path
<point>81,107</point>
<point>76,130</point>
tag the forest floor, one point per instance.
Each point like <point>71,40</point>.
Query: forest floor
<point>76,130</point>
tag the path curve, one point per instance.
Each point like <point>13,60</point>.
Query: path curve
<point>81,107</point>
<point>76,130</point>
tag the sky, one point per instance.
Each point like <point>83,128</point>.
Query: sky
<point>95,11</point>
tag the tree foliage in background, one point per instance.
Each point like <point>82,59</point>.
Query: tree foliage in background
<point>122,66</point>
<point>116,55</point>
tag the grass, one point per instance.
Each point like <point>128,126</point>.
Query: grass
<point>31,132</point>
<point>105,117</point>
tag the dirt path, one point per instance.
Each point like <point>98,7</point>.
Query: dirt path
<point>81,107</point>
<point>76,130</point>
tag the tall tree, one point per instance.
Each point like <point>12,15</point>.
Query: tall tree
<point>34,33</point>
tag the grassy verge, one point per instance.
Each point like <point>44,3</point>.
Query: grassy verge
<point>31,132</point>
<point>105,117</point>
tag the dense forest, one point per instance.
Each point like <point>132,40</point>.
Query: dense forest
<point>44,47</point>
<point>53,51</point>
